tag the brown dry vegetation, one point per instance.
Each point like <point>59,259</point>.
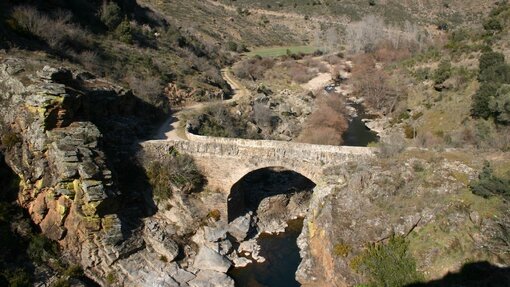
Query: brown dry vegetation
<point>253,69</point>
<point>372,83</point>
<point>327,123</point>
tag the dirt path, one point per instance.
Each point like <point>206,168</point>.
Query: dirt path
<point>173,129</point>
<point>239,90</point>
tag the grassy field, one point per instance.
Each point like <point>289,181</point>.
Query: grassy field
<point>280,51</point>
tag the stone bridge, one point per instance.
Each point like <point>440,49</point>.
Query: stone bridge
<point>224,161</point>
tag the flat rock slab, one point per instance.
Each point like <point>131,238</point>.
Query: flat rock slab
<point>208,259</point>
<point>209,278</point>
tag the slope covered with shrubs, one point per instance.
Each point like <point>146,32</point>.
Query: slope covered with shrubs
<point>120,40</point>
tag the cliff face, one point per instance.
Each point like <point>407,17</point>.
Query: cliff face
<point>72,140</point>
<point>421,195</point>
<point>56,128</point>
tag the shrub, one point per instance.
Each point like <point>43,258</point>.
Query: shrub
<point>498,73</point>
<point>409,131</point>
<point>443,72</point>
<point>389,264</point>
<point>493,25</point>
<point>480,101</point>
<point>218,121</point>
<point>175,172</point>
<point>27,20</point>
<point>489,185</point>
<point>214,214</point>
<point>500,105</point>
<point>163,258</point>
<point>148,88</point>
<point>19,278</point>
<point>489,59</point>
<point>110,14</point>
<point>41,248</point>
<point>391,146</point>
<point>56,31</point>
<point>422,74</point>
<point>61,283</point>
<point>301,75</point>
<point>341,249</point>
<point>10,139</point>
<point>111,278</point>
<point>373,85</point>
<point>262,115</point>
<point>232,46</point>
<point>74,271</point>
<point>253,69</point>
<point>123,32</point>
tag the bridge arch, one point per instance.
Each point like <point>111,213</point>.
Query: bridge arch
<point>253,187</point>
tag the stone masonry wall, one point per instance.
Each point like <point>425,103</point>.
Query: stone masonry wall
<point>224,161</point>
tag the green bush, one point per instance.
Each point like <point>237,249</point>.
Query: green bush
<point>389,264</point>
<point>422,74</point>
<point>443,72</point>
<point>500,105</point>
<point>480,101</point>
<point>74,271</point>
<point>498,73</point>
<point>61,283</point>
<point>489,185</point>
<point>110,14</point>
<point>493,25</point>
<point>492,99</point>
<point>232,46</point>
<point>175,171</point>
<point>124,32</point>
<point>489,59</point>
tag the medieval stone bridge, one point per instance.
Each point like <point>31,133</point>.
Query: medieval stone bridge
<point>224,161</point>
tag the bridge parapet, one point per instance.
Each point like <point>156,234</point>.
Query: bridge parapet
<point>263,149</point>
<point>226,160</point>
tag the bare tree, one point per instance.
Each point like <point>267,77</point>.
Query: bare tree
<point>367,34</point>
<point>374,86</point>
<point>327,123</point>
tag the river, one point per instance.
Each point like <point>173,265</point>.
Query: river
<point>282,260</point>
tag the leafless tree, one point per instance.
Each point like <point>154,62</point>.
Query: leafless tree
<point>327,123</point>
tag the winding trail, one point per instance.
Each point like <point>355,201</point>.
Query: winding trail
<point>173,129</point>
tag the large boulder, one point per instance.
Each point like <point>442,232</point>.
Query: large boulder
<point>208,259</point>
<point>209,278</point>
<point>240,227</point>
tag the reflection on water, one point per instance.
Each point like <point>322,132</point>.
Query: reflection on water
<point>358,134</point>
<point>282,260</point>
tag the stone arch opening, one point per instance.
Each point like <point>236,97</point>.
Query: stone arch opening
<point>274,190</point>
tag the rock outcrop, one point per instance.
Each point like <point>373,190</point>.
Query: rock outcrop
<point>428,202</point>
<point>57,129</point>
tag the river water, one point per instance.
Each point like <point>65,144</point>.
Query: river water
<point>358,134</point>
<point>282,260</point>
